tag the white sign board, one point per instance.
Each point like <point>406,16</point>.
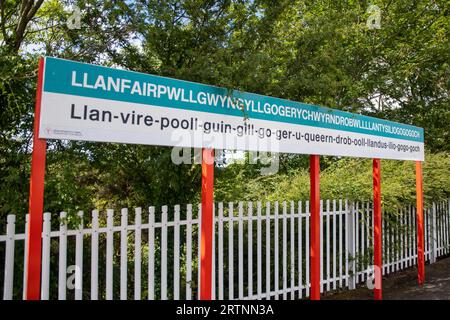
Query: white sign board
<point>93,103</point>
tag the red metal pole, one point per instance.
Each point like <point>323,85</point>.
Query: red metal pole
<point>207,223</point>
<point>314,249</point>
<point>377,228</point>
<point>36,205</point>
<point>419,214</point>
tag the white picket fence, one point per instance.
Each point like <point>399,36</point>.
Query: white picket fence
<point>260,251</point>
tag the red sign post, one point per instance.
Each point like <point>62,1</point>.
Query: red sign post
<point>206,223</point>
<point>419,214</point>
<point>314,249</point>
<point>33,267</point>
<point>377,244</point>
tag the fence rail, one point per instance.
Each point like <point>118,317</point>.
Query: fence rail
<point>260,251</point>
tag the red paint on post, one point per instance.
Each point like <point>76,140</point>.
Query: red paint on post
<point>377,228</point>
<point>36,205</point>
<point>419,214</point>
<point>207,223</point>
<point>314,249</point>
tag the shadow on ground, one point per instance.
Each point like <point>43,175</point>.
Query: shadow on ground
<point>403,285</point>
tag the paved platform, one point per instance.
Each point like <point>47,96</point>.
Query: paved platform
<point>403,285</point>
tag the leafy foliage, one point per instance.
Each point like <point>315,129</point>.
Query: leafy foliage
<point>349,178</point>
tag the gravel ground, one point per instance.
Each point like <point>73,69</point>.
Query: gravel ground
<point>403,285</point>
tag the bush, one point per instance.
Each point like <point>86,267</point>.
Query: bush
<point>349,178</point>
